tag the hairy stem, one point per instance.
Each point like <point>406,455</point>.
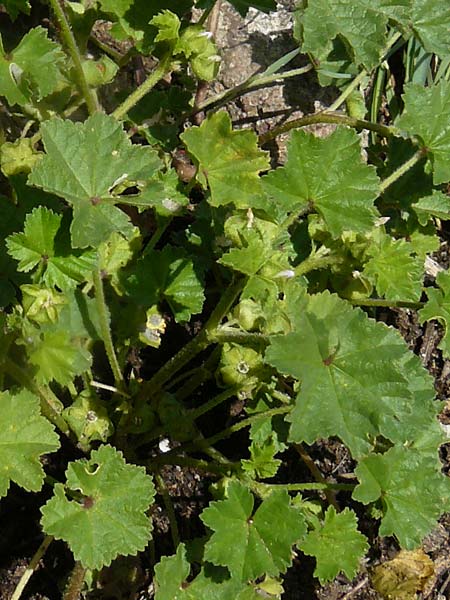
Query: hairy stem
<point>326,117</point>
<point>404,168</point>
<point>34,562</point>
<point>360,77</point>
<point>261,488</point>
<point>225,433</point>
<point>379,302</point>
<point>251,83</point>
<point>197,344</point>
<point>72,48</point>
<point>195,413</point>
<point>161,70</point>
<point>75,583</point>
<point>105,330</point>
<point>222,469</point>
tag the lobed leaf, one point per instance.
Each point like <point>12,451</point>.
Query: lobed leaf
<point>229,162</point>
<point>357,379</point>
<point>413,491</point>
<point>262,541</point>
<point>83,164</point>
<point>336,544</point>
<point>394,269</point>
<point>37,246</point>
<point>25,436</point>
<point>100,512</point>
<point>31,69</point>
<point>427,115</point>
<point>58,358</point>
<point>327,175</point>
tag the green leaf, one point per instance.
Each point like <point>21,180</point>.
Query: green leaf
<point>171,275</point>
<point>58,358</point>
<point>100,512</point>
<point>25,435</point>
<point>229,162</point>
<point>13,7</point>
<point>437,205</point>
<point>413,491</point>
<point>168,25</point>
<point>31,69</point>
<point>394,269</point>
<point>438,307</point>
<point>171,581</point>
<point>427,115</point>
<point>18,157</point>
<point>328,175</point>
<point>83,165</point>
<point>360,24</point>
<point>262,463</point>
<point>430,22</point>
<point>37,246</point>
<point>336,544</point>
<point>261,541</point>
<point>352,370</point>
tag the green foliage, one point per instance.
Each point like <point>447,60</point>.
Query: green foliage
<point>157,296</point>
<point>32,69</point>
<point>84,164</point>
<point>25,435</point>
<point>337,545</point>
<point>426,115</point>
<point>98,492</point>
<point>258,547</point>
<point>228,161</point>
<point>438,307</point>
<point>327,175</point>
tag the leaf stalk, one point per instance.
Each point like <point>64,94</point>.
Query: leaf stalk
<point>159,72</point>
<point>72,48</point>
<point>105,330</point>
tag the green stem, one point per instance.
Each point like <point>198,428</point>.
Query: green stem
<point>378,302</point>
<point>254,81</point>
<point>156,236</point>
<point>71,44</point>
<point>195,413</point>
<point>75,583</point>
<point>261,488</point>
<point>359,78</point>
<point>316,262</point>
<point>197,344</point>
<point>225,433</point>
<point>34,562</point>
<point>161,70</point>
<point>51,406</point>
<point>404,168</point>
<point>233,336</point>
<point>105,330</point>
<point>222,469</point>
<point>162,489</point>
<point>325,117</point>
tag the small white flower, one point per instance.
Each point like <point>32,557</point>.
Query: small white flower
<point>164,445</point>
<point>206,34</point>
<point>214,58</point>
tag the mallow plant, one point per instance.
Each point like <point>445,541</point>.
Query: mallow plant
<point>141,300</point>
